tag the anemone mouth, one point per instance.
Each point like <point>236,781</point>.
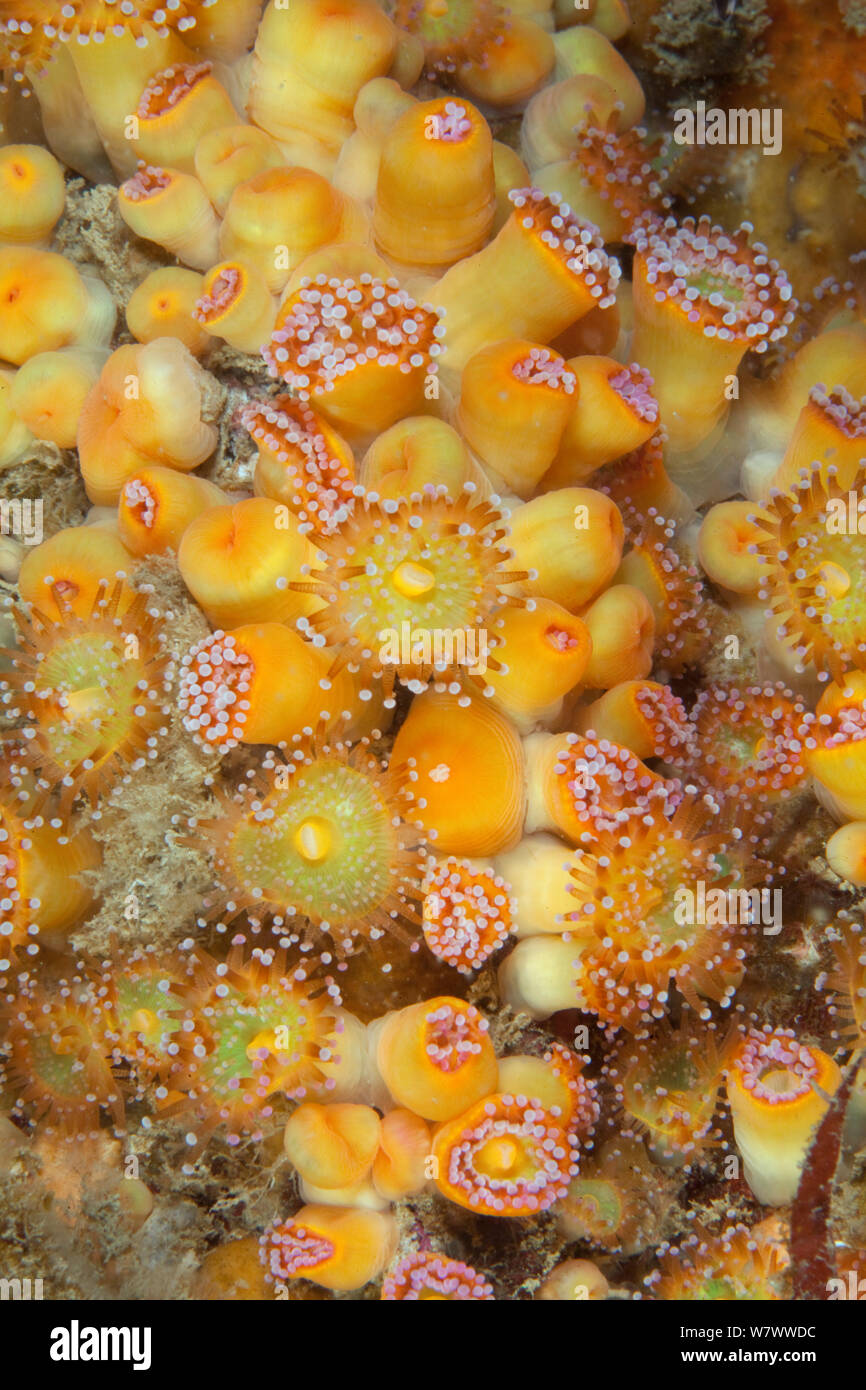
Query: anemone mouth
<point>88,693</point>
<point>410,586</point>
<point>813,571</point>
<point>165,92</point>
<point>147,182</point>
<point>141,502</point>
<point>321,843</point>
<point>453,32</point>
<point>725,287</point>
<point>225,290</point>
<point>507,1156</point>
<point>145,1010</point>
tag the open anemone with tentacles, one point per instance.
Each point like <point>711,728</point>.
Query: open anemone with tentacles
<point>663,906</point>
<point>250,1028</point>
<point>57,1054</point>
<point>642,927</point>
<point>750,741</point>
<point>320,841</point>
<point>739,1264</point>
<point>432,568</point>
<point>812,571</point>
<point>88,695</point>
<point>668,1083</point>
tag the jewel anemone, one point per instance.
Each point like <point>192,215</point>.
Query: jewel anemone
<point>425,1275</point>
<point>749,741</point>
<point>703,298</point>
<point>322,840</point>
<point>88,693</point>
<point>812,571</point>
<point>637,891</point>
<point>58,1055</point>
<point>251,1028</point>
<point>739,1265</point>
<point>411,586</point>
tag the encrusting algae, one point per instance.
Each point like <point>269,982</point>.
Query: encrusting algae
<point>432,696</point>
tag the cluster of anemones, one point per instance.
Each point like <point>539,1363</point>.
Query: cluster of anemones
<point>497,1136</point>
<point>216,1042</point>
<point>472,513</point>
